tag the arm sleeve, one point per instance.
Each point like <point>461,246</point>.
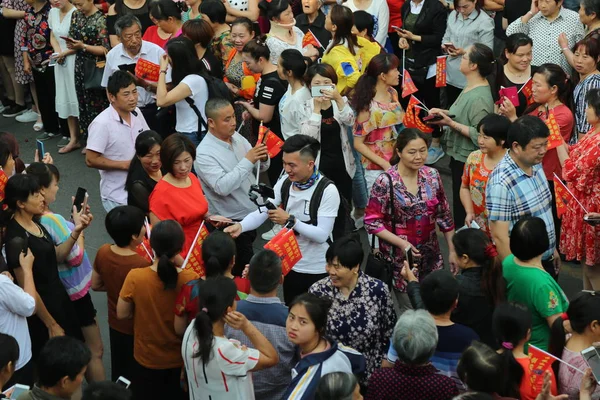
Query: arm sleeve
<point>319,233</point>
<point>16,300</point>
<point>139,196</point>
<point>444,214</point>
<point>383,21</point>
<point>378,212</point>
<point>580,173</point>
<point>253,220</point>
<point>477,111</point>
<point>13,249</point>
<point>311,126</point>
<point>438,27</point>
<point>128,289</point>
<point>546,301</point>
<point>97,138</point>
<point>235,361</point>
<point>413,289</point>
<point>518,27</point>
<point>59,230</point>
<point>347,116</point>
<point>271,91</point>
<point>487,33</point>
<point>215,177</point>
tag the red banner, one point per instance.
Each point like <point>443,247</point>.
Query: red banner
<point>555,138</point>
<point>440,71</point>
<point>411,117</point>
<point>194,257</point>
<point>310,38</point>
<point>271,140</point>
<point>147,70</point>
<point>539,363</point>
<point>408,86</point>
<point>287,248</point>
<point>527,90</point>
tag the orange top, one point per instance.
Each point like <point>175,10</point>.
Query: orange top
<point>247,93</point>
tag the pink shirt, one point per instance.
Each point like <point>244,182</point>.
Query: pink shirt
<point>114,138</point>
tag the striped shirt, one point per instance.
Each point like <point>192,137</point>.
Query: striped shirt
<point>581,90</point>
<point>511,194</point>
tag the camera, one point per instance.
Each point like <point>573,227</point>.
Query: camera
<point>263,191</point>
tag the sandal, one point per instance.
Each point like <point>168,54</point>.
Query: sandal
<point>69,148</point>
<point>38,126</point>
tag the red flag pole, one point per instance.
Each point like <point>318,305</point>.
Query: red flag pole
<point>187,257</point>
<point>403,65</point>
<point>556,358</point>
<point>560,182</point>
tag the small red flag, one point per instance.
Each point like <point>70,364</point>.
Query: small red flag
<point>310,38</point>
<point>555,138</point>
<point>144,250</point>
<point>527,90</point>
<point>271,140</point>
<point>411,117</point>
<point>147,70</point>
<point>440,71</point>
<point>408,86</point>
<point>193,259</point>
<point>287,248</point>
<point>539,363</point>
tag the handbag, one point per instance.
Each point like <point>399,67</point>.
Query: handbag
<point>381,266</point>
<point>93,70</point>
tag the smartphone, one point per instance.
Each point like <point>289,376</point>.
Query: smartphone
<point>123,382</point>
<point>397,28</point>
<point>592,358</point>
<point>591,220</point>
<point>436,117</point>
<point>53,60</point>
<point>15,391</point>
<point>409,256</point>
<point>80,198</point>
<point>40,149</point>
<point>68,39</point>
<point>316,90</point>
<point>127,67</point>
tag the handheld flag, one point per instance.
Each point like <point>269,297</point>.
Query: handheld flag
<point>310,38</point>
<point>411,117</point>
<point>408,86</point>
<point>271,140</point>
<point>144,250</point>
<point>563,197</point>
<point>539,363</point>
<point>287,248</point>
<point>147,70</point>
<point>193,259</point>
<point>555,138</point>
<point>440,71</point>
<point>527,90</point>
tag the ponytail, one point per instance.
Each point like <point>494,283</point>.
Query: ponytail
<point>513,373</point>
<point>167,272</point>
<point>204,333</point>
<point>493,284</point>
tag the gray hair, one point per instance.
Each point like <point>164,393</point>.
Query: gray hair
<point>336,386</point>
<point>415,337</point>
<point>126,21</point>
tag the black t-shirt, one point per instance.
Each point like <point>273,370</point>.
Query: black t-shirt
<point>212,65</point>
<point>514,9</point>
<point>331,142</point>
<point>139,185</point>
<point>270,89</point>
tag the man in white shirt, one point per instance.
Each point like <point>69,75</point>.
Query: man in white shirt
<point>111,141</point>
<point>226,165</point>
<point>125,56</point>
<point>302,178</point>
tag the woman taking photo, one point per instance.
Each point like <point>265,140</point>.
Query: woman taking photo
<point>291,68</point>
<point>375,96</point>
<point>178,195</point>
<point>216,367</point>
<point>306,326</point>
<point>200,33</point>
<point>474,102</point>
<point>581,171</point>
<point>585,57</point>
<point>182,58</point>
<point>419,203</point>
<point>147,297</point>
<point>467,24</point>
<point>330,118</point>
<point>144,170</point>
<point>139,8</point>
<point>167,15</point>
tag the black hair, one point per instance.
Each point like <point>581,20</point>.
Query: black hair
<point>144,142</point>
<point>336,386</point>
<point>8,139</point>
<point>214,105</point>
<point>244,21</point>
<point>199,31</point>
<point>174,146</point>
<point>5,153</point>
<point>218,252</point>
<point>478,6</point>
<point>513,42</point>
<point>363,20</point>
<point>555,76</point>
<point>184,59</point>
<point>123,222</point>
<point>483,56</point>
<point>215,11</point>
<point>473,243</point>
<point>292,60</point>
<point>162,10</point>
<point>404,138</point>
<point>480,368</point>
<point>524,130</point>
<point>323,69</point>
<point>348,250</point>
<point>343,19</point>
<point>511,323</point>
<point>306,145</point>
<point>590,7</point>
<point>215,296</point>
<point>366,87</point>
<point>317,309</point>
<point>495,126</point>
<point>529,238</point>
<point>41,172</point>
<point>106,390</point>
<point>257,48</point>
<point>119,80</point>
<point>18,188</point>
<point>264,272</point>
<point>592,98</point>
<point>61,356</point>
<point>9,350</point>
<point>439,291</point>
<point>167,241</point>
<point>273,8</point>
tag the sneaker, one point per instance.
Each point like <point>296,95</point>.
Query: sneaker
<point>28,116</point>
<point>46,136</point>
<point>434,155</point>
<point>268,235</point>
<point>63,142</point>
<point>14,111</point>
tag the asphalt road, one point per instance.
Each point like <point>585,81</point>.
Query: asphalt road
<point>75,173</point>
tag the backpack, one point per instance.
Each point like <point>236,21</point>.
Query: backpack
<point>216,89</point>
<point>343,225</point>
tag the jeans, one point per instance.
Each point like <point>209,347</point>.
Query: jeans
<point>194,137</point>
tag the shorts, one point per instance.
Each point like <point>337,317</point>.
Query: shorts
<point>86,313</point>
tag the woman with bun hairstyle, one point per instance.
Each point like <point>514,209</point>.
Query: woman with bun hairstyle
<point>217,367</point>
<point>291,68</point>
<point>347,53</point>
<point>147,297</point>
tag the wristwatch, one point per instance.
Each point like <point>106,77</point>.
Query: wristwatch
<point>291,220</point>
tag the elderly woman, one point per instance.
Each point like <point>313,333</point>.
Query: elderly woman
<point>362,313</point>
<point>412,377</point>
<point>338,386</point>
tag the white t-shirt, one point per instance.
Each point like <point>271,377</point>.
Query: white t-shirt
<point>187,120</point>
<point>291,111</point>
<point>15,307</point>
<point>227,374</point>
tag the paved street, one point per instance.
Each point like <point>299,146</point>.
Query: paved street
<point>74,173</point>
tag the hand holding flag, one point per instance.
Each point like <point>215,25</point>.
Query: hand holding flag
<point>563,197</point>
<point>271,140</point>
<point>310,38</point>
<point>287,248</point>
<point>555,138</point>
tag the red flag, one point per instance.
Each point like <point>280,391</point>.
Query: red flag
<point>440,71</point>
<point>147,70</point>
<point>527,90</point>
<point>144,250</point>
<point>193,259</point>
<point>411,117</point>
<point>408,86</point>
<point>287,248</point>
<point>555,138</point>
<point>539,363</point>
<point>271,140</point>
<point>310,38</point>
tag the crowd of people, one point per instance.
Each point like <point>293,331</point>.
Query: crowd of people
<point>210,119</point>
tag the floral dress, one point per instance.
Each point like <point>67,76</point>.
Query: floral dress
<point>92,31</point>
<point>20,75</point>
<point>364,320</point>
<point>221,47</point>
<point>475,177</point>
<point>582,173</point>
<point>416,217</point>
<point>234,72</point>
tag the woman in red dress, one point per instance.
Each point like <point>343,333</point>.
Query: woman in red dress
<point>581,169</point>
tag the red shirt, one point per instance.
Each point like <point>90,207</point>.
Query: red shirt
<point>151,35</point>
<point>184,205</point>
<point>395,13</point>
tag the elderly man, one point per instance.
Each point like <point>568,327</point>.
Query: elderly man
<point>126,55</point>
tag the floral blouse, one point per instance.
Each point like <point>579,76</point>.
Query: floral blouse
<point>475,177</point>
<point>37,36</point>
<point>221,47</point>
<point>416,216</point>
<point>364,321</point>
<point>379,130</point>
